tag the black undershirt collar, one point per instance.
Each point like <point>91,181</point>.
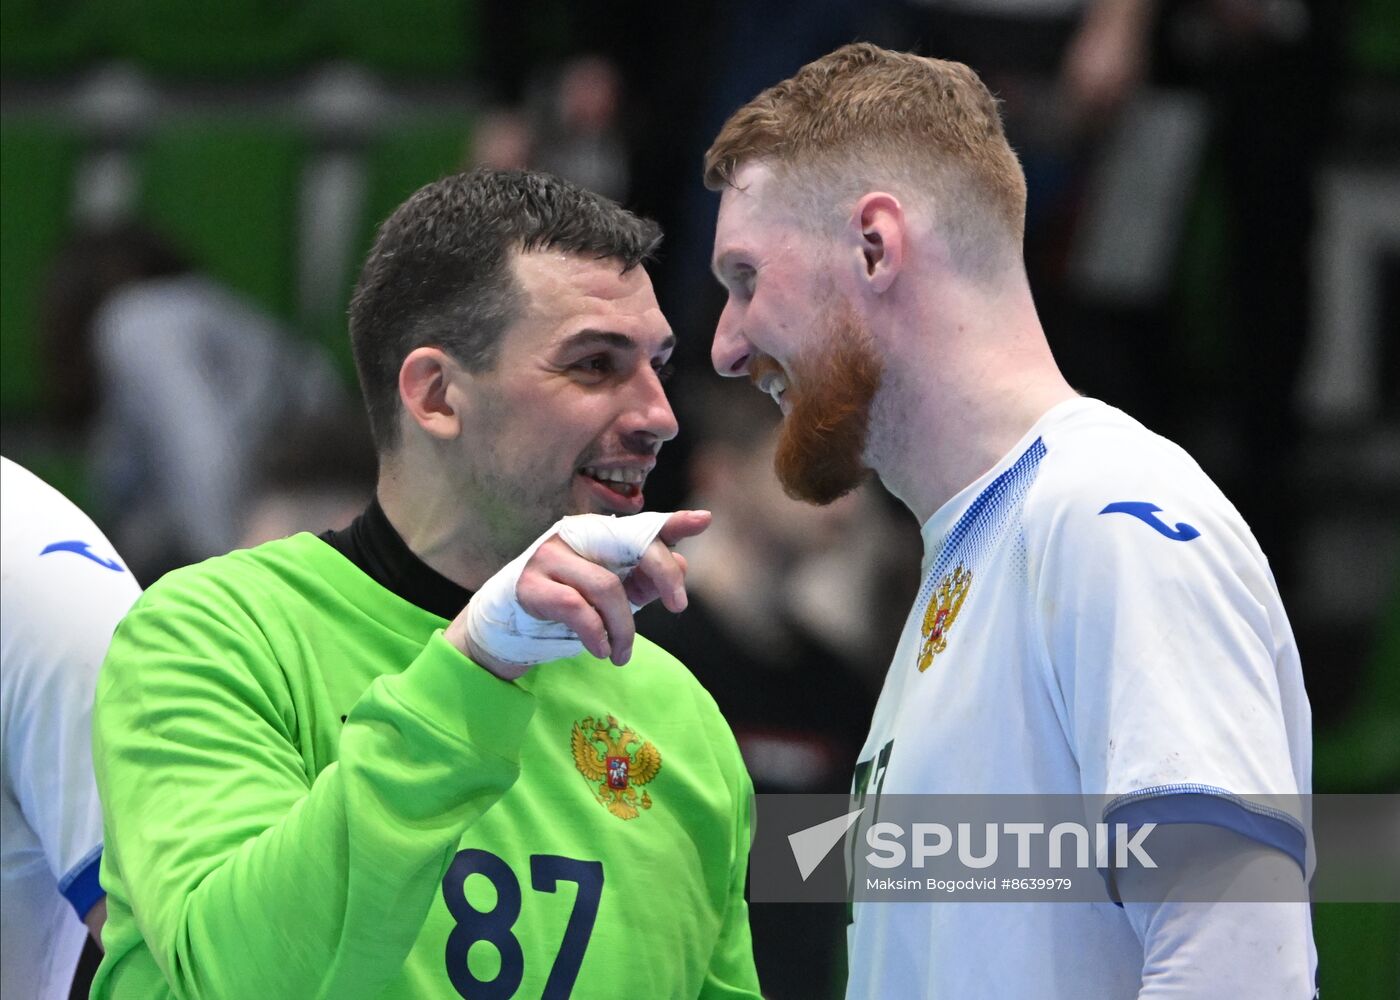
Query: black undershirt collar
<point>372,544</point>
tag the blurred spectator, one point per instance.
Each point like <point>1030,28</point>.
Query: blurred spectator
<point>1106,60</point>
<point>501,140</point>
<point>319,477</point>
<point>178,385</point>
<point>798,705</point>
<point>65,590</point>
<point>748,47</point>
<point>568,126</point>
<point>1019,48</point>
<point>1269,70</point>
<point>579,137</point>
<point>1063,72</point>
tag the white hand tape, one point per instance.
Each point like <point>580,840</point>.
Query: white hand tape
<point>616,543</point>
<point>498,625</point>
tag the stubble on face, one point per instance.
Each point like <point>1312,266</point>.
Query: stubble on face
<point>514,495</point>
<point>517,492</point>
<point>821,447</point>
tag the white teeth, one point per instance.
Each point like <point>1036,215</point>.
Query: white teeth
<point>775,386</point>
<point>616,475</point>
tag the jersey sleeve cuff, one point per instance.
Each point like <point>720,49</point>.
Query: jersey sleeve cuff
<point>81,886</point>
<point>1211,806</point>
<point>465,700</point>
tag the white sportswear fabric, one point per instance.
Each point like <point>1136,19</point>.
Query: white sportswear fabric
<point>1095,653</point>
<point>59,611</point>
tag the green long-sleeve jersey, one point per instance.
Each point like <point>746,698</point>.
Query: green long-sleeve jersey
<point>310,793</point>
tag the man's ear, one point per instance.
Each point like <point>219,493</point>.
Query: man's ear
<point>427,391</point>
<point>877,228</point>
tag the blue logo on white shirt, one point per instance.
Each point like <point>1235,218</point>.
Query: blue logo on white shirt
<point>83,549</point>
<point>1146,513</point>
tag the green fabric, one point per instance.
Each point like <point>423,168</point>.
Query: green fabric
<point>259,847</point>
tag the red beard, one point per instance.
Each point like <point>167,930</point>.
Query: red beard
<point>821,447</point>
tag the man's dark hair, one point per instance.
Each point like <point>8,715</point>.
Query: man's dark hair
<point>440,274</point>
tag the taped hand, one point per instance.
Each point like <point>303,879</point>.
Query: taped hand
<point>576,587</point>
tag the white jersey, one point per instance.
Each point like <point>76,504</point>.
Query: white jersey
<point>1095,618</point>
<point>63,592</point>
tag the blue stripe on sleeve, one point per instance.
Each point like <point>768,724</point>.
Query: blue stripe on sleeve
<point>1208,805</point>
<point>1167,804</point>
<point>80,886</point>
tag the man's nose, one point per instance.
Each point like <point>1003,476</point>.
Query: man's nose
<point>731,351</point>
<point>651,415</point>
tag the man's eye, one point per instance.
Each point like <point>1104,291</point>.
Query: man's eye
<point>664,371</point>
<point>600,365</point>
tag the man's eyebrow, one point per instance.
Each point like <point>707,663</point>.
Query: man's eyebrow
<point>609,338</point>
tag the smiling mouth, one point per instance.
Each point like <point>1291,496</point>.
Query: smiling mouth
<point>625,483</point>
<point>774,385</point>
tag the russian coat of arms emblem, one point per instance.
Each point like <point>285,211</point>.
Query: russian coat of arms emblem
<point>943,607</point>
<point>618,761</point>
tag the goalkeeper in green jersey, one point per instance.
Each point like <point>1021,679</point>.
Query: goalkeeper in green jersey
<point>395,761</point>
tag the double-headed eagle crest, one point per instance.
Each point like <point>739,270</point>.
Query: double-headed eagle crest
<point>601,755</point>
<point>943,608</point>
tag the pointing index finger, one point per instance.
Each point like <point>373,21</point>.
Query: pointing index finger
<point>684,524</point>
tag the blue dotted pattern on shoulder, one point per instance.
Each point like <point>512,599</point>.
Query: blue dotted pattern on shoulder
<point>985,522</point>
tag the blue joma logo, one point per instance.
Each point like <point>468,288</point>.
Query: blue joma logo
<point>1147,514</point>
<point>83,549</point>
